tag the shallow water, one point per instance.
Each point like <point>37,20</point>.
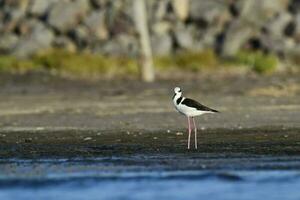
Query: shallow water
<point>149,177</point>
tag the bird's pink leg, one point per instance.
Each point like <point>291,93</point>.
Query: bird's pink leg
<point>195,128</point>
<point>189,138</point>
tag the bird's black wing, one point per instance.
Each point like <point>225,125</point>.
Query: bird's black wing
<point>192,103</point>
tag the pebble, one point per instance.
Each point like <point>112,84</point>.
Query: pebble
<point>87,138</point>
<point>179,133</point>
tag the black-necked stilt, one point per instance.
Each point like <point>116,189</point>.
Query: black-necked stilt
<point>190,108</point>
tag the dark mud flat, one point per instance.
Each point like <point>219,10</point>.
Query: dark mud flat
<point>273,141</point>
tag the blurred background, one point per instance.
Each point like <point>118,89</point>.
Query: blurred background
<point>128,38</point>
<point>86,89</point>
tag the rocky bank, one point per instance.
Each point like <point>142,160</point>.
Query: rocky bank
<point>107,26</point>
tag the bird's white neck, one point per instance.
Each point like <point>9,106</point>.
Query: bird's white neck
<point>176,97</point>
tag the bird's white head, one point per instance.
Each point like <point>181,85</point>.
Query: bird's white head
<point>177,90</point>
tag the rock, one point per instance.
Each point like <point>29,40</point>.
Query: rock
<point>65,15</point>
<point>161,27</point>
<point>80,35</point>
<point>161,44</point>
<point>11,19</point>
<point>159,10</point>
<point>8,42</point>
<point>256,12</point>
<point>181,8</point>
<point>277,25</point>
<point>237,34</point>
<point>184,37</point>
<point>277,45</point>
<point>99,3</point>
<point>40,7</point>
<point>95,23</point>
<point>295,6</point>
<point>39,38</point>
<point>63,42</point>
<point>297,24</point>
<point>212,11</point>
<point>121,45</point>
<point>87,138</point>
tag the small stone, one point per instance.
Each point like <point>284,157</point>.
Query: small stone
<point>179,133</point>
<point>155,138</point>
<point>99,133</point>
<point>168,131</point>
<point>87,138</point>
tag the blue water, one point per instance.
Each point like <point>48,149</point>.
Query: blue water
<point>62,179</point>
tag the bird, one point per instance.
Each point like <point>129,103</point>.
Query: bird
<point>190,108</point>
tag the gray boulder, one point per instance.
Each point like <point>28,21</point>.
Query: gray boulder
<point>278,45</point>
<point>65,15</point>
<point>209,11</point>
<point>161,27</point>
<point>40,7</point>
<point>99,3</point>
<point>39,38</point>
<point>277,25</point>
<point>81,36</point>
<point>237,35</point>
<point>8,42</point>
<point>257,12</point>
<point>161,44</point>
<point>185,37</point>
<point>297,27</point>
<point>95,23</point>
<point>13,17</point>
<point>121,45</point>
<point>65,43</point>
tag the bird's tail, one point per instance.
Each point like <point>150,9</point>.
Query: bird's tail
<point>214,111</point>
